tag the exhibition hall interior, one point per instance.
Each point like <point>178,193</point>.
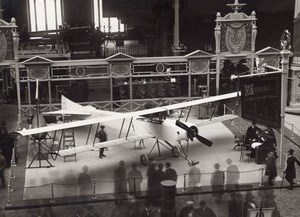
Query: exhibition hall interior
<point>159,108</point>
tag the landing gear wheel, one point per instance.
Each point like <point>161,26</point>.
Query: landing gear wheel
<point>144,160</point>
<point>175,152</point>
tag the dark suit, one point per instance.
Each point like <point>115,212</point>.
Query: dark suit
<point>102,138</point>
<point>290,171</point>
<point>251,134</point>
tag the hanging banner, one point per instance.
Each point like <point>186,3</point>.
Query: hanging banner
<point>261,99</point>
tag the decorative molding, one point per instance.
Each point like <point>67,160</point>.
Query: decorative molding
<point>199,66</point>
<point>80,71</point>
<point>160,68</point>
<point>3,47</point>
<point>38,72</point>
<point>120,69</point>
<point>235,38</point>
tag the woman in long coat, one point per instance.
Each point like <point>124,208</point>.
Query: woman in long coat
<point>120,181</point>
<point>290,171</point>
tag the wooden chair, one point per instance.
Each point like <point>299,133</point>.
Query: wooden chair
<point>245,150</point>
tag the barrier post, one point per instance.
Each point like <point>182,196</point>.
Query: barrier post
<point>94,190</point>
<point>9,188</point>
<point>52,200</point>
<point>184,182</point>
<point>134,187</point>
<point>13,159</point>
<point>11,171</point>
<point>292,134</point>
<point>9,203</point>
<point>224,109</point>
<point>261,183</point>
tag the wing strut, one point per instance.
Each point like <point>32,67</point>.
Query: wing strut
<point>188,114</point>
<point>122,127</point>
<point>129,127</point>
<point>96,133</point>
<point>87,139</point>
<point>181,112</point>
<point>213,111</point>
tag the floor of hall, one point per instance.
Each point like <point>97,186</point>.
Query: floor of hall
<point>65,174</point>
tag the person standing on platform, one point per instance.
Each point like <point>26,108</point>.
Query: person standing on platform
<point>170,173</point>
<point>101,134</point>
<point>290,171</point>
<point>150,172</point>
<point>217,183</point>
<point>85,182</point>
<point>194,176</point>
<point>232,175</point>
<point>158,177</point>
<point>135,179</point>
<point>271,170</point>
<point>2,167</point>
<point>120,175</point>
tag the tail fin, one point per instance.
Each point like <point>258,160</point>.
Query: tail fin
<point>67,104</point>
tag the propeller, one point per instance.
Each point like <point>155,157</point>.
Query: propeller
<point>192,132</point>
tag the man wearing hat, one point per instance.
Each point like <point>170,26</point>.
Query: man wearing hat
<point>102,138</point>
<point>290,170</point>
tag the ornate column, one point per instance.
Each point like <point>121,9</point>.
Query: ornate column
<point>295,66</point>
<point>218,46</point>
<point>285,54</point>
<point>16,57</point>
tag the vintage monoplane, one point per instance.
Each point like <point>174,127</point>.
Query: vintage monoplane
<point>158,125</point>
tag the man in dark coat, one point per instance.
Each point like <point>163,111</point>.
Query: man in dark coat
<point>251,133</point>
<point>158,177</point>
<point>290,171</point>
<point>170,173</point>
<point>102,138</point>
<point>271,170</point>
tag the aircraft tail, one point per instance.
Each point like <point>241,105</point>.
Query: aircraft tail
<point>67,104</point>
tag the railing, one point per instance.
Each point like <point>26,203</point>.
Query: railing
<point>97,189</point>
<point>293,128</point>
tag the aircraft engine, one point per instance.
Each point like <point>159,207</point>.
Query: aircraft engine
<point>192,132</point>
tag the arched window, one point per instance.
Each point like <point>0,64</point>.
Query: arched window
<point>45,14</point>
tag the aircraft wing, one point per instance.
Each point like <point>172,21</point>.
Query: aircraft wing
<point>67,112</point>
<point>118,116</point>
<point>110,143</point>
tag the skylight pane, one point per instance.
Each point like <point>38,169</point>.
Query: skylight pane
<point>40,15</point>
<point>32,16</point>
<point>96,14</point>
<point>50,5</point>
<point>114,23</point>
